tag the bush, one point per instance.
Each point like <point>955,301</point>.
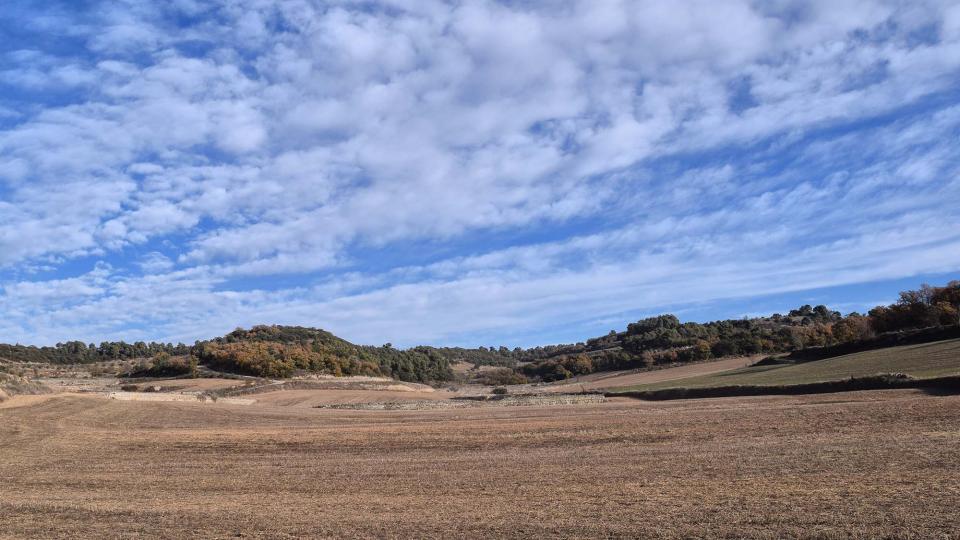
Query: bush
<point>501,377</point>
<point>500,391</point>
<point>162,365</point>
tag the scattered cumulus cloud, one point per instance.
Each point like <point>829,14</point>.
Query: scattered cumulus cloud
<point>155,262</point>
<point>438,171</point>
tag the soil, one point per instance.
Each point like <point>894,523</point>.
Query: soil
<point>879,464</point>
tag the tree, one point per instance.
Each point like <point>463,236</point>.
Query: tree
<point>161,361</point>
<point>579,365</point>
<point>701,351</point>
<point>853,328</point>
<point>194,372</point>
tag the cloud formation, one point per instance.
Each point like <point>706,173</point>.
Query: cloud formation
<point>454,171</point>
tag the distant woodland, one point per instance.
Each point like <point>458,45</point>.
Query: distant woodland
<point>282,351</point>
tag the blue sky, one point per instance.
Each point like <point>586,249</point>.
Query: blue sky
<point>468,173</point>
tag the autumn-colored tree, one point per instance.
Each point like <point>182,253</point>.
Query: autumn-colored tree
<point>853,328</point>
<point>579,365</point>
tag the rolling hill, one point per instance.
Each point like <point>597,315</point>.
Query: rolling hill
<point>279,351</point>
<point>926,360</point>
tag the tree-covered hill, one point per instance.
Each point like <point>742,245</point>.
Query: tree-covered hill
<point>281,351</point>
<point>666,340</point>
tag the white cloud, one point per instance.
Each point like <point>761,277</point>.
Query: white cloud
<point>155,262</point>
<point>305,136</point>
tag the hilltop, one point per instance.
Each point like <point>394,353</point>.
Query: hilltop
<point>279,351</point>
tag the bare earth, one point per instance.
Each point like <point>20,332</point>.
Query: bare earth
<point>868,464</point>
<point>313,398</point>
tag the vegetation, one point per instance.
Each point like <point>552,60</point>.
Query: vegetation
<point>481,356</point>
<point>78,352</point>
<point>280,351</point>
<point>164,365</point>
<point>665,340</point>
<point>12,384</point>
<point>500,376</point>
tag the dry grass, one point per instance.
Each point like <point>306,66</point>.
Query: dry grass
<point>313,398</point>
<point>15,385</point>
<point>871,464</point>
<point>194,385</point>
<point>612,379</point>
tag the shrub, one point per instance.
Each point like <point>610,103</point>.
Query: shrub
<point>162,365</point>
<point>501,377</point>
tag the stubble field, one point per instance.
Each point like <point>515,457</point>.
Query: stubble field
<point>868,464</point>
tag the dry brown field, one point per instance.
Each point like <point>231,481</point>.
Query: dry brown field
<point>854,465</point>
<point>313,398</point>
<point>615,379</point>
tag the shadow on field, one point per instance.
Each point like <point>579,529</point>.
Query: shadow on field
<point>888,381</point>
<point>942,390</point>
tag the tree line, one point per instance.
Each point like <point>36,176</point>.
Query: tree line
<point>78,352</point>
<point>281,351</point>
<point>665,340</point>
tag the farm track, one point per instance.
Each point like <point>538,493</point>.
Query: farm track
<point>861,464</point>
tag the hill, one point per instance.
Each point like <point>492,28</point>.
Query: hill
<point>664,340</point>
<point>922,361</point>
<point>279,351</point>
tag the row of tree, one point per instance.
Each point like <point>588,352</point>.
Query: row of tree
<point>280,351</point>
<point>665,340</point>
<point>78,352</point>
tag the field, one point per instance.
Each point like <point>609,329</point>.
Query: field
<point>926,360</point>
<point>612,379</point>
<point>867,464</point>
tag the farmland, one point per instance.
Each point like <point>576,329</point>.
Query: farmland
<point>855,464</point>
<point>925,360</point>
<point>317,456</point>
<point>675,374</point>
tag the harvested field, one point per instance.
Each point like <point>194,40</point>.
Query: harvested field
<point>473,402</point>
<point>79,384</point>
<point>315,398</point>
<point>363,384</point>
<point>165,396</point>
<point>194,385</point>
<point>863,464</point>
<point>612,379</point>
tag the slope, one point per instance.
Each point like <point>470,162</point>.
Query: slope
<point>927,360</point>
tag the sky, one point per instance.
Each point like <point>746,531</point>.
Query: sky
<point>468,173</point>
